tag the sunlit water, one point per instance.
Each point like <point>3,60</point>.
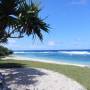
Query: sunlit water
<point>68,56</point>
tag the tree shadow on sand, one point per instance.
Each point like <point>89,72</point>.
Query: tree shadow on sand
<point>17,74</point>
<point>11,65</point>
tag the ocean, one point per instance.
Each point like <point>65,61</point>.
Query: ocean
<point>64,56</point>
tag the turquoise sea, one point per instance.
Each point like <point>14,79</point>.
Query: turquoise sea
<point>65,56</point>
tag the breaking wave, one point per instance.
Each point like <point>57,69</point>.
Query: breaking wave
<point>76,52</point>
<point>58,52</point>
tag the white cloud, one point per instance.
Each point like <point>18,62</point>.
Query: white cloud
<point>79,2</point>
<point>77,42</point>
<point>51,43</point>
<point>11,41</point>
<point>55,43</point>
<point>11,44</point>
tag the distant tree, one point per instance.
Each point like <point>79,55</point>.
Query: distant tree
<point>5,51</point>
<point>19,18</point>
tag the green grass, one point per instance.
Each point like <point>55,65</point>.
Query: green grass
<point>81,75</point>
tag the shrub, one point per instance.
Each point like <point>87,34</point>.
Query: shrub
<point>5,51</point>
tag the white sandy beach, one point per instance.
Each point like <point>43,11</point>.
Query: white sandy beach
<point>38,79</point>
<point>14,57</point>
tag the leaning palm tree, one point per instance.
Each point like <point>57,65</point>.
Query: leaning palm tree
<point>18,18</point>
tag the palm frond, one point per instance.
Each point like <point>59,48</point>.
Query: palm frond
<point>21,19</point>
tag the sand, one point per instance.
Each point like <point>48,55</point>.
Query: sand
<point>15,57</point>
<point>38,79</point>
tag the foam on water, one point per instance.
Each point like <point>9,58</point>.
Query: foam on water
<point>18,52</point>
<point>62,52</point>
<point>33,52</point>
<point>66,56</point>
<point>76,52</point>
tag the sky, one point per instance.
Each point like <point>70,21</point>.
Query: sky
<point>70,27</point>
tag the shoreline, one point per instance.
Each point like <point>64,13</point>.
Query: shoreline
<point>16,57</point>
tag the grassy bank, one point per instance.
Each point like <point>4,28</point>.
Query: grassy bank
<point>82,75</point>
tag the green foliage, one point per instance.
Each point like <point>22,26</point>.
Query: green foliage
<point>5,51</point>
<point>18,18</point>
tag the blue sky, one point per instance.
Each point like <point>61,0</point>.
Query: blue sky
<point>70,23</point>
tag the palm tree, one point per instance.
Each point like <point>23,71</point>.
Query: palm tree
<point>18,18</point>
